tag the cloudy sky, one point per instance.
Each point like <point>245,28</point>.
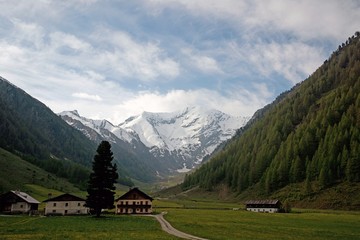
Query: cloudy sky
<point>114,59</point>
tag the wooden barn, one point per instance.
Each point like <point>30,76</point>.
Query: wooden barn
<point>65,204</point>
<point>266,206</point>
<point>18,202</point>
<point>134,202</point>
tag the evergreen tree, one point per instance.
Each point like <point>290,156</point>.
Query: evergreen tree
<point>102,179</point>
<point>309,133</point>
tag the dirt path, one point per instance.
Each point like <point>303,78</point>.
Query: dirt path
<point>166,226</point>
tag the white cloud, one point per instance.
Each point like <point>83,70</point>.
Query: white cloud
<point>87,96</point>
<point>237,102</point>
<point>60,39</point>
<point>292,60</point>
<point>235,43</point>
<point>295,61</point>
<point>306,19</point>
<point>143,60</point>
<point>28,34</point>
<point>204,63</point>
<point>222,9</point>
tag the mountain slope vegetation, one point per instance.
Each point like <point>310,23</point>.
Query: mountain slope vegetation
<point>32,131</point>
<point>27,173</point>
<point>310,134</point>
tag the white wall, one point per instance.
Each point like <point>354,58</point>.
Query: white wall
<point>66,208</point>
<point>20,207</point>
<point>269,210</point>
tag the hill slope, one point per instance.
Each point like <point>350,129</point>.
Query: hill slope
<point>308,135</point>
<point>27,173</point>
<point>32,131</point>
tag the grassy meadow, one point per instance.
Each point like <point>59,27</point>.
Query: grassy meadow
<point>228,224</point>
<point>218,220</point>
<point>81,227</point>
<point>207,219</point>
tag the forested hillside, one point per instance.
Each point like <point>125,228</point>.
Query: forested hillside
<point>308,134</point>
<point>31,130</point>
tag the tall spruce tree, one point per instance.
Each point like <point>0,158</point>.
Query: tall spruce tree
<point>101,182</point>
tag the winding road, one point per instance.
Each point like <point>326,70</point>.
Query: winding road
<point>166,226</point>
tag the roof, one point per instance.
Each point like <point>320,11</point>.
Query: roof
<point>263,202</point>
<point>26,197</point>
<point>66,197</point>
<point>132,191</point>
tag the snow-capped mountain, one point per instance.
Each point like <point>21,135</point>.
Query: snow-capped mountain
<point>176,141</point>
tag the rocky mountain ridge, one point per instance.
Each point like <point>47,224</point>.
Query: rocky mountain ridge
<point>178,141</point>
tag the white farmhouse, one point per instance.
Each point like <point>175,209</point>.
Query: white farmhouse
<point>18,202</point>
<point>134,201</point>
<point>65,204</point>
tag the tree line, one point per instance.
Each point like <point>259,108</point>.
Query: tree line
<point>310,133</point>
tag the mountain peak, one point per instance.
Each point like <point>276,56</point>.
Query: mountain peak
<point>69,113</point>
<point>182,137</point>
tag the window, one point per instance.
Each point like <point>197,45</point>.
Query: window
<point>66,212</point>
<point>54,211</point>
<point>21,206</point>
<point>54,205</point>
<point>78,204</point>
<point>66,204</point>
<point>78,211</point>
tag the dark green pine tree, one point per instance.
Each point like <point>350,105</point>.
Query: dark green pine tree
<point>101,183</point>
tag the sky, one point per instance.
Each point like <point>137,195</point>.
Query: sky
<point>115,59</point>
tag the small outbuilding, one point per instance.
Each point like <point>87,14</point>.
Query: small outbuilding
<point>66,204</point>
<point>266,206</point>
<point>18,202</point>
<point>134,202</point>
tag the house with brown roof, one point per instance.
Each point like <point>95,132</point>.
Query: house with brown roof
<point>134,202</point>
<point>65,204</point>
<point>266,206</point>
<point>18,202</point>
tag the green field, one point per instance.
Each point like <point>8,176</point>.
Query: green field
<point>81,227</point>
<point>228,224</point>
<point>217,220</point>
<point>200,218</point>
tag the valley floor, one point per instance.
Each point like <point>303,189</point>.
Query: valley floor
<point>201,218</point>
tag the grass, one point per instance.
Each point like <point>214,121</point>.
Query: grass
<point>195,204</point>
<point>202,218</point>
<point>228,224</point>
<point>27,173</point>
<point>81,227</point>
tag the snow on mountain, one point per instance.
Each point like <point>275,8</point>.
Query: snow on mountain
<point>177,130</point>
<point>179,139</point>
<point>102,127</point>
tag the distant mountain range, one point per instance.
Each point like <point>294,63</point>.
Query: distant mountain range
<point>146,148</point>
<point>164,142</point>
